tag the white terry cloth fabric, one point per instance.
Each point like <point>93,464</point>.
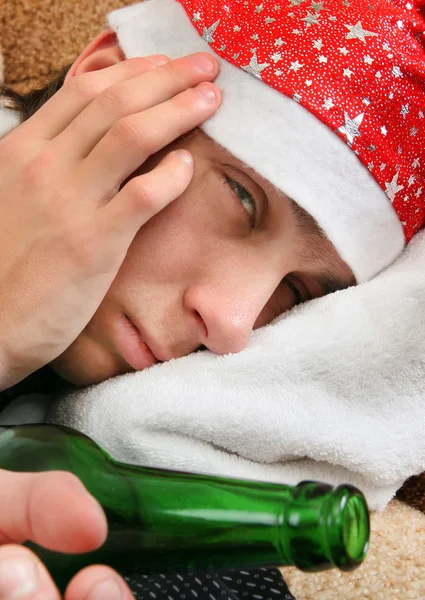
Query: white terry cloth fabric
<point>333,390</point>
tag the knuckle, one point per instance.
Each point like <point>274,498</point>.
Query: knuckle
<point>84,85</point>
<point>114,99</point>
<point>39,170</point>
<point>135,132</point>
<point>175,71</point>
<point>141,195</point>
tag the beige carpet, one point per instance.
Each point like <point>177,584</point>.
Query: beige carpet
<point>38,38</point>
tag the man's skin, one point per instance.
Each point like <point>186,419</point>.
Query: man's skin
<point>198,273</point>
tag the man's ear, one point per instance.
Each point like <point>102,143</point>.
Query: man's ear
<point>102,52</point>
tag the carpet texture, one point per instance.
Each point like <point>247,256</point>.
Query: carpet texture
<point>38,38</point>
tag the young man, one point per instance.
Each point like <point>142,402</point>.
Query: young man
<point>308,179</point>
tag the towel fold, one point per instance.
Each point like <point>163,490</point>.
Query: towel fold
<point>333,390</point>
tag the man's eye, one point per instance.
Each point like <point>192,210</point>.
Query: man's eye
<point>246,199</point>
<point>297,294</point>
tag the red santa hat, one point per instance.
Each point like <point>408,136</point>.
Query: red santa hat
<point>324,99</point>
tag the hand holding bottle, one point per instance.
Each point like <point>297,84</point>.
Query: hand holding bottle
<point>69,208</point>
<point>53,510</point>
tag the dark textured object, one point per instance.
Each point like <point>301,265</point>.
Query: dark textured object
<point>246,584</point>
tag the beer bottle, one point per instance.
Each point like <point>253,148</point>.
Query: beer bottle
<point>161,520</point>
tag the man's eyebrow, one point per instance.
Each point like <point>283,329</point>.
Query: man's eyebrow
<point>331,282</point>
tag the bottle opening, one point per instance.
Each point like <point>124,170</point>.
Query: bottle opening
<point>355,529</point>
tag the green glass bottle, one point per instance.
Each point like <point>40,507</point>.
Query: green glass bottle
<point>160,520</point>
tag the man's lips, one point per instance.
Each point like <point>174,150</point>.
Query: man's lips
<point>128,343</point>
<point>158,353</point>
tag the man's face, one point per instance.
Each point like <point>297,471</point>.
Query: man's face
<point>226,257</point>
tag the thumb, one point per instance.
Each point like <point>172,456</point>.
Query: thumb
<point>52,509</point>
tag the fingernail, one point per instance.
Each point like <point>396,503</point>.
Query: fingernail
<point>207,92</point>
<point>18,578</point>
<point>107,589</point>
<point>185,156</point>
<point>159,59</point>
<point>203,62</point>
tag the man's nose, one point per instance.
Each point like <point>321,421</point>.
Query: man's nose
<point>226,318</point>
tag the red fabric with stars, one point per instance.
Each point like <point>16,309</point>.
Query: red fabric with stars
<point>358,65</point>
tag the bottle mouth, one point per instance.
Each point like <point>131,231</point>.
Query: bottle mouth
<point>350,512</point>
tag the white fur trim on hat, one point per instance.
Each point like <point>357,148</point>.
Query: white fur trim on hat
<point>281,140</point>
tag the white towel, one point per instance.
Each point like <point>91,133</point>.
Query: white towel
<point>332,391</point>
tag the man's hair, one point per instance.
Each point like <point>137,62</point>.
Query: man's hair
<point>28,104</point>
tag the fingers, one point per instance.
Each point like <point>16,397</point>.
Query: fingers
<point>133,139</point>
<point>142,197</point>
<point>98,583</point>
<point>133,96</point>
<point>79,91</point>
<point>52,509</point>
<point>23,576</point>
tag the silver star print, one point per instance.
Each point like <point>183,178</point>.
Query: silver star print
<point>357,32</point>
<point>370,166</point>
<point>279,42</point>
<point>236,28</point>
<point>351,127</point>
<point>295,66</point>
<point>276,57</point>
<point>296,2</point>
<point>384,130</point>
<point>391,95</point>
<point>404,109</point>
<point>259,8</point>
<point>392,188</point>
<point>368,60</point>
<point>328,104</point>
<point>347,73</point>
<point>418,192</point>
<point>378,74</point>
<point>308,82</point>
<point>296,97</point>
<point>386,47</point>
<point>196,17</point>
<point>311,19</point>
<point>412,180</point>
<point>343,51</point>
<point>415,163</point>
<point>254,68</point>
<point>269,20</point>
<point>322,59</point>
<point>366,101</point>
<point>382,166</point>
<point>255,37</point>
<point>413,131</point>
<point>208,33</point>
<point>420,114</point>
<point>318,44</point>
<point>396,72</point>
<point>278,72</point>
<point>316,6</point>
